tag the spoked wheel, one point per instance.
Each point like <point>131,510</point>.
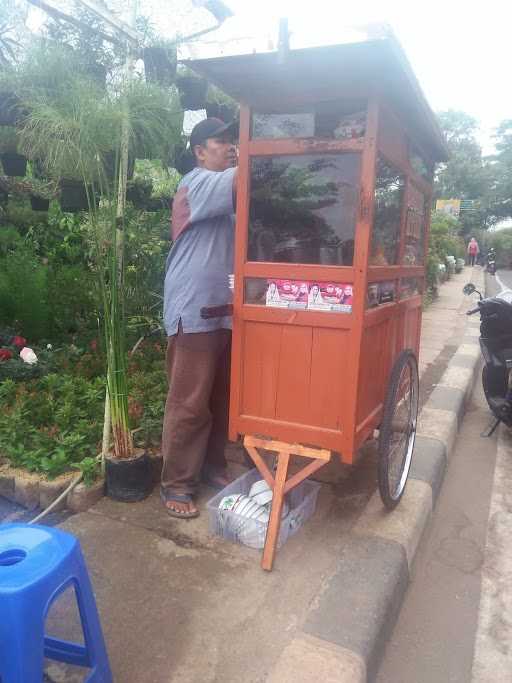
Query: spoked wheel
<point>398,429</point>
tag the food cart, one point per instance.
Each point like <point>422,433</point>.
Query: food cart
<point>337,153</point>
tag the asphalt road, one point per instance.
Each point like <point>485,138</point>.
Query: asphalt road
<point>504,278</point>
<point>456,622</point>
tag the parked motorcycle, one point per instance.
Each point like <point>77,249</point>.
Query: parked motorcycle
<point>491,262</point>
<point>496,346</point>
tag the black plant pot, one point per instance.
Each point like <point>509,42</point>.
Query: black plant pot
<point>192,92</point>
<point>109,164</point>
<point>11,110</point>
<point>73,196</point>
<point>220,111</point>
<point>14,164</point>
<point>184,161</point>
<point>98,73</point>
<point>39,203</point>
<point>138,192</point>
<point>129,480</point>
<point>155,204</point>
<point>159,67</point>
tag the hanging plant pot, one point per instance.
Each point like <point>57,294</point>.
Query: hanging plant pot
<point>129,479</point>
<point>98,73</point>
<point>220,111</point>
<point>155,204</point>
<point>192,92</point>
<point>11,110</point>
<point>109,164</point>
<point>39,203</point>
<point>138,192</point>
<point>184,160</point>
<point>159,65</point>
<point>14,164</point>
<point>73,196</point>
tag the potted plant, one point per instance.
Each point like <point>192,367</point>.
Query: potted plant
<point>40,194</point>
<point>192,91</point>
<point>138,192</point>
<point>137,118</point>
<point>220,105</point>
<point>14,164</point>
<point>73,195</point>
<point>109,161</point>
<point>160,60</point>
<point>11,110</point>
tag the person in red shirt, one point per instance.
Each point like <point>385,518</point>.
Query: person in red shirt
<point>473,251</point>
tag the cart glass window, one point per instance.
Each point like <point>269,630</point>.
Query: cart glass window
<point>338,120</point>
<point>414,227</point>
<point>303,208</point>
<point>330,297</point>
<point>389,190</point>
<point>380,293</point>
<point>420,164</point>
<point>410,286</point>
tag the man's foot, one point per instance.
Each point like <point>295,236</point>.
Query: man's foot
<point>178,505</point>
<point>216,479</point>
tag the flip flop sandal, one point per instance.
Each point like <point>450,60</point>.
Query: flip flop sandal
<point>178,498</point>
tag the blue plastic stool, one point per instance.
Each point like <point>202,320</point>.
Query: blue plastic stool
<point>37,563</point>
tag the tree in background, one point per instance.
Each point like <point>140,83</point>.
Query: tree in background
<point>501,164</point>
<point>467,174</point>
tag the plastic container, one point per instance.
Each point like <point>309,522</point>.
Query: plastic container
<point>251,532</point>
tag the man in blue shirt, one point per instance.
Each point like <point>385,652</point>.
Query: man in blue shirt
<point>197,318</point>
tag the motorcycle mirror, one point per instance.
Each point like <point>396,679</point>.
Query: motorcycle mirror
<point>469,289</point>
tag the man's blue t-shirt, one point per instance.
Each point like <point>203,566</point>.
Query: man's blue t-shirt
<point>201,257</point>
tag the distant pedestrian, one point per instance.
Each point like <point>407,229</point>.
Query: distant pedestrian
<point>473,251</point>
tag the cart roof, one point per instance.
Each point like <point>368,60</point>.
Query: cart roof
<point>326,73</point>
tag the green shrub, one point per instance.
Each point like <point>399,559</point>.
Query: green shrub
<point>24,294</point>
<point>444,241</point>
<point>71,299</point>
<point>501,241</point>
<point>49,425</point>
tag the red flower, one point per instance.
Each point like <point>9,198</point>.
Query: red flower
<point>20,342</point>
<point>93,345</point>
<point>5,354</point>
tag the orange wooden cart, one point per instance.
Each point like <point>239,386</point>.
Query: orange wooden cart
<point>337,152</point>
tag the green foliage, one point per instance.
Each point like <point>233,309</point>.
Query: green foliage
<point>47,290</point>
<point>444,241</point>
<point>147,243</point>
<point>148,390</point>
<point>97,56</point>
<point>71,300</point>
<point>24,293</point>
<point>8,139</point>
<point>90,469</point>
<point>466,175</point>
<point>10,239</point>
<point>502,168</point>
<point>20,215</point>
<point>501,241</point>
<point>50,424</point>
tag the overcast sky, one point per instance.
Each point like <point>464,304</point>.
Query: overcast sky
<point>460,51</point>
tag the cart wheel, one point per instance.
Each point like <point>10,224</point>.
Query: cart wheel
<point>398,429</point>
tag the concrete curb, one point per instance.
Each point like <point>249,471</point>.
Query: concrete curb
<point>355,614</point>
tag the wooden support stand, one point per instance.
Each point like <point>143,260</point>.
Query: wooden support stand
<point>279,484</point>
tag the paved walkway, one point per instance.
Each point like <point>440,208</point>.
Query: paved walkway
<point>180,605</point>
